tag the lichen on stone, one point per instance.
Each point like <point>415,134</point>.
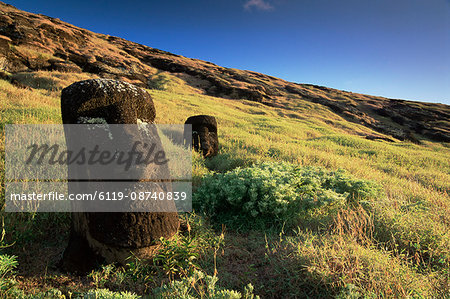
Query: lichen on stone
<point>97,122</point>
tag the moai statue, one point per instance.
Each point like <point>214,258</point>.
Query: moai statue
<point>204,134</point>
<point>111,236</point>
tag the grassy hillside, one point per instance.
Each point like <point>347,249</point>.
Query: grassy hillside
<point>33,42</point>
<point>394,245</point>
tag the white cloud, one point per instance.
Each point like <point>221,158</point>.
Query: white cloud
<point>259,4</point>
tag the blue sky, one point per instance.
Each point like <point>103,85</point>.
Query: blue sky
<point>392,48</point>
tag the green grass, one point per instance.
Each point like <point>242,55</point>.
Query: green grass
<point>398,246</point>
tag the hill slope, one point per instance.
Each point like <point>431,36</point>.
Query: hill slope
<point>32,42</point>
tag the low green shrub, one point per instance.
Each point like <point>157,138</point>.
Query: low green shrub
<point>177,256</point>
<point>200,285</point>
<point>49,294</point>
<point>107,294</point>
<point>8,264</point>
<point>278,193</point>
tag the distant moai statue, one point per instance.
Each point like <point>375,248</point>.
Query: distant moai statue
<point>204,134</point>
<point>111,236</point>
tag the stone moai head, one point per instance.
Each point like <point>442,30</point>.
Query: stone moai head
<point>116,102</point>
<point>204,134</point>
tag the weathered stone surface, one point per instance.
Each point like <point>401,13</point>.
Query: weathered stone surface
<point>204,134</point>
<point>111,237</point>
<point>117,102</point>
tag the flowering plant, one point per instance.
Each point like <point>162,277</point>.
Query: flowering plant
<point>278,192</point>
